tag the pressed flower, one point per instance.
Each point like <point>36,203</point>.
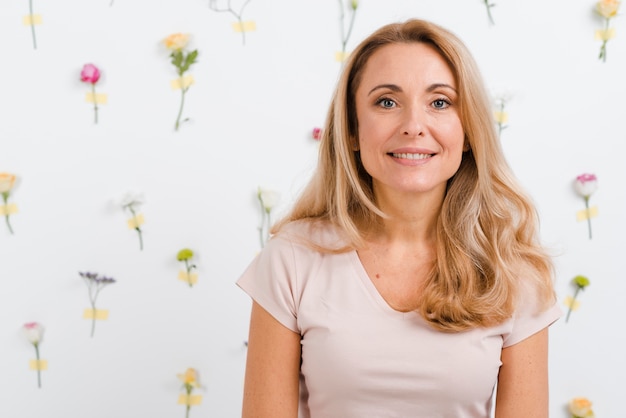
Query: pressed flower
<point>91,74</point>
<point>580,408</point>
<point>581,282</point>
<point>268,200</point>
<point>191,381</point>
<point>34,334</point>
<point>185,255</point>
<point>607,9</point>
<point>7,183</point>
<point>132,202</point>
<point>229,9</point>
<point>585,185</point>
<point>95,283</point>
<point>181,59</point>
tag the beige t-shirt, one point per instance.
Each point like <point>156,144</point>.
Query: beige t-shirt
<point>360,357</point>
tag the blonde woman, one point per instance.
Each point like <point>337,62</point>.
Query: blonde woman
<point>408,280</point>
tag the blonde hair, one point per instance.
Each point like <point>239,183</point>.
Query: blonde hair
<point>487,231</point>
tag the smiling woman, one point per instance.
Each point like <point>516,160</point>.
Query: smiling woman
<point>408,279</point>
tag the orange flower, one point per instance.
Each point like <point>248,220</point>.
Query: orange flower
<point>7,181</point>
<point>581,408</point>
<point>608,8</point>
<point>176,41</point>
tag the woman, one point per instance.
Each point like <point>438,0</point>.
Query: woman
<point>408,279</point>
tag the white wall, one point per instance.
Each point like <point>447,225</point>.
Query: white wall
<point>252,109</point>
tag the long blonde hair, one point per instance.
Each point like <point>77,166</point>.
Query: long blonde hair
<point>487,231</point>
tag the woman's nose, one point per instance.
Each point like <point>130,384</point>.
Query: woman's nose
<point>413,122</point>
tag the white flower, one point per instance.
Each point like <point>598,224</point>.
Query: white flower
<point>268,198</point>
<point>132,199</point>
<point>33,332</point>
<point>586,184</point>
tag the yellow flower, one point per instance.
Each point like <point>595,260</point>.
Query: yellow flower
<point>608,8</point>
<point>190,378</point>
<point>581,408</point>
<point>176,41</point>
<point>7,181</point>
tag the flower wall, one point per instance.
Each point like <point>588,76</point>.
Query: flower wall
<point>259,85</point>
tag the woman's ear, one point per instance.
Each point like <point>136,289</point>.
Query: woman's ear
<point>466,145</point>
<point>355,144</point>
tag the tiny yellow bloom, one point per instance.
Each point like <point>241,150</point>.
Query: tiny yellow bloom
<point>176,41</point>
<point>184,254</point>
<point>608,8</point>
<point>190,378</point>
<point>7,181</point>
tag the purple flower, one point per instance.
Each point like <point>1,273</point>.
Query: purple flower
<point>95,283</point>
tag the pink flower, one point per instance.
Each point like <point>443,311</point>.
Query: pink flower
<point>90,74</point>
<point>34,334</point>
<point>586,185</point>
<point>317,134</point>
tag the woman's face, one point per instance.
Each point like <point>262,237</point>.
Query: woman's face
<point>410,135</point>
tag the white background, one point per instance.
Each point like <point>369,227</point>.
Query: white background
<point>251,112</point>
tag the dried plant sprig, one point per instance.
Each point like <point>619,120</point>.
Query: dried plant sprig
<point>95,283</point>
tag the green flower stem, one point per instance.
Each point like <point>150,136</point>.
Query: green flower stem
<point>188,267</point>
<point>489,6</point>
<point>32,23</point>
<point>345,37</point>
<point>95,103</point>
<point>38,365</point>
<point>93,319</point>
<point>588,214</point>
<point>189,388</point>
<point>183,90</point>
<point>137,228</point>
<point>569,311</point>
<point>5,199</point>
<point>602,55</point>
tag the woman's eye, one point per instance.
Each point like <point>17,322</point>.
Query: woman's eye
<point>441,104</point>
<point>386,103</point>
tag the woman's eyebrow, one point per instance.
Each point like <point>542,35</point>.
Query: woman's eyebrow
<point>395,88</point>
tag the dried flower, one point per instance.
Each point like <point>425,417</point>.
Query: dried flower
<point>182,60</point>
<point>7,183</point>
<point>586,185</point>
<point>95,283</point>
<point>238,15</point>
<point>581,282</point>
<point>607,9</point>
<point>190,381</point>
<point>185,255</point>
<point>34,334</point>
<point>580,408</point>
<point>268,200</point>
<point>132,202</point>
<point>91,74</point>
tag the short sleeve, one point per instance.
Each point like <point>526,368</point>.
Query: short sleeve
<point>527,321</point>
<point>270,280</point>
